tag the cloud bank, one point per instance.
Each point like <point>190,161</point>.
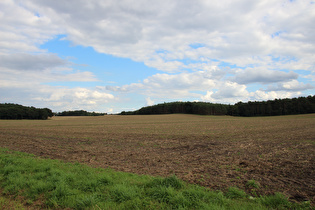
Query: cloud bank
<point>217,51</point>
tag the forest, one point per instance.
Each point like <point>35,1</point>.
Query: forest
<point>300,105</point>
<point>16,111</point>
<point>202,108</point>
<point>79,113</point>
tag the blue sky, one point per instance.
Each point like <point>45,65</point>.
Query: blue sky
<point>108,69</point>
<point>113,56</point>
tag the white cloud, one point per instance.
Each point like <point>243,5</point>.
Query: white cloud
<point>60,98</point>
<point>149,101</point>
<point>216,88</point>
<point>243,95</point>
<point>208,50</point>
<point>16,78</point>
<point>291,86</point>
<point>177,86</point>
<point>21,29</point>
<point>23,61</point>
<point>261,95</point>
<point>228,92</point>
<point>265,76</point>
<point>231,30</point>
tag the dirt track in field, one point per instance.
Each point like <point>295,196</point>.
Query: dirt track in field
<point>216,152</point>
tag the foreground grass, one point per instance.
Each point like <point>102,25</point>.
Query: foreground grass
<point>6,203</point>
<point>45,183</point>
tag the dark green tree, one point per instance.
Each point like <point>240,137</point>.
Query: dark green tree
<point>16,111</point>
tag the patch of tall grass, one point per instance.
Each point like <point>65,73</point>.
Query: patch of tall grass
<point>58,184</point>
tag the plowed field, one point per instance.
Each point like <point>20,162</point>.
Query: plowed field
<point>212,151</point>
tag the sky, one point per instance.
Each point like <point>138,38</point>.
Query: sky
<point>112,56</point>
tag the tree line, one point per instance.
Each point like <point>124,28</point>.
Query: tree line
<point>16,111</point>
<point>301,105</point>
<point>181,107</point>
<point>79,113</point>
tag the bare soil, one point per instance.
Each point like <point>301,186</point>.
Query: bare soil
<point>213,151</point>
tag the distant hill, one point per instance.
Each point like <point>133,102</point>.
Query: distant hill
<point>16,111</point>
<point>301,105</point>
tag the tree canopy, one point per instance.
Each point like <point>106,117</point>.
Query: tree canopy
<point>183,107</point>
<point>16,111</point>
<point>79,113</point>
<point>301,105</point>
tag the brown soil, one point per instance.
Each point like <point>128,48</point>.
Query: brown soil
<point>215,152</point>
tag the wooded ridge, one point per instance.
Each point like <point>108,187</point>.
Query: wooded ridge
<point>300,105</point>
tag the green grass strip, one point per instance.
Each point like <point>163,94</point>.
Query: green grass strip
<point>57,184</point>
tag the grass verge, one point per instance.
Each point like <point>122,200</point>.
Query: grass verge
<point>46,183</point>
